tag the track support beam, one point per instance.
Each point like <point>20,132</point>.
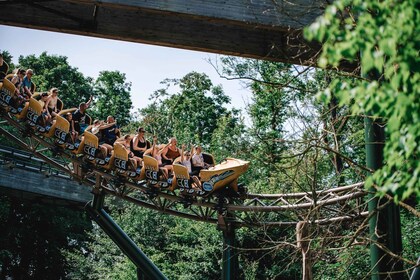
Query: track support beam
<point>230,263</point>
<point>146,270</point>
<point>384,225</point>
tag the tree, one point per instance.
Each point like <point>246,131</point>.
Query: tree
<point>229,138</point>
<point>180,248</point>
<point>389,86</point>
<point>112,97</point>
<point>54,71</point>
<point>34,237</point>
<point>191,114</point>
<point>7,57</point>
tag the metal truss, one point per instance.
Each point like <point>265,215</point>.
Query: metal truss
<point>248,210</point>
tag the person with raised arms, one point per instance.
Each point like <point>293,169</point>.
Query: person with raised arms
<point>96,129</point>
<point>170,152</point>
<point>157,154</point>
<point>80,117</point>
<point>135,161</point>
<point>111,133</point>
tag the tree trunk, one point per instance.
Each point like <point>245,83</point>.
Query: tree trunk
<point>302,237</point>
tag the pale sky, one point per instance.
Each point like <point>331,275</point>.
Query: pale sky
<point>145,66</point>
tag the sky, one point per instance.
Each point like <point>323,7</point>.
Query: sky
<point>145,66</point>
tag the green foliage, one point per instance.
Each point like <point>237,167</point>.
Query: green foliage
<point>386,35</point>
<point>192,114</point>
<point>228,139</point>
<point>112,97</point>
<point>196,248</point>
<point>267,110</point>
<point>410,229</point>
<point>7,57</point>
<point>33,237</point>
<point>346,264</point>
<point>267,258</point>
<point>180,248</point>
<point>54,71</point>
<point>194,110</point>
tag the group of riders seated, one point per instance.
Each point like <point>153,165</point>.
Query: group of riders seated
<point>108,132</point>
<point>165,154</point>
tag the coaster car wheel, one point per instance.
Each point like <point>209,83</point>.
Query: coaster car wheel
<point>242,190</point>
<point>152,192</point>
<point>56,151</point>
<point>222,201</point>
<point>187,201</point>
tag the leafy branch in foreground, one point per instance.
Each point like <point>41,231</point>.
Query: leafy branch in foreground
<point>366,30</point>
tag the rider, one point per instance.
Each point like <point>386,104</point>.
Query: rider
<point>17,79</point>
<point>135,161</point>
<point>80,117</point>
<point>198,161</point>
<point>51,103</point>
<point>43,101</point>
<point>27,84</point>
<point>4,68</point>
<point>96,129</point>
<point>170,152</point>
<point>73,133</point>
<point>110,134</point>
<point>156,153</point>
<point>139,144</point>
<point>186,161</point>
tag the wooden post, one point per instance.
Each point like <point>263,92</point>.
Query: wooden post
<point>302,238</point>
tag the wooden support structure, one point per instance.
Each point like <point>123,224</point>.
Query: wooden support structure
<point>270,30</point>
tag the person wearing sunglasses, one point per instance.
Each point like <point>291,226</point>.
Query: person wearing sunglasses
<point>27,84</point>
<point>51,104</point>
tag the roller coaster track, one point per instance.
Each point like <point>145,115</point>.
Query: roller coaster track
<point>248,210</point>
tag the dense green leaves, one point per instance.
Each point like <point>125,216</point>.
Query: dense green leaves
<point>386,34</point>
<point>193,113</point>
<point>54,71</point>
<point>112,97</point>
<point>33,237</point>
<point>294,143</point>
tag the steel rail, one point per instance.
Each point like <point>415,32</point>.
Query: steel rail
<point>206,210</point>
<point>301,194</point>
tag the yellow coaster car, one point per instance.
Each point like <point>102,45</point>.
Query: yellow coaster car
<point>34,116</point>
<point>121,162</point>
<point>224,174</point>
<point>153,175</point>
<point>8,97</point>
<point>60,132</point>
<point>185,184</point>
<point>92,151</point>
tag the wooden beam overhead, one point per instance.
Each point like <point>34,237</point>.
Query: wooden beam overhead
<point>261,29</point>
